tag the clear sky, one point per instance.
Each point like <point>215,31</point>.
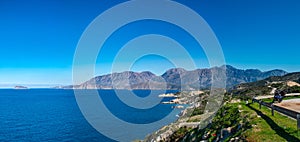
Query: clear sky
<point>39,38</point>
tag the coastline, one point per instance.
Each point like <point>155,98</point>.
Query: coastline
<point>189,99</point>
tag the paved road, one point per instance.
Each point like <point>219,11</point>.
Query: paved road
<point>271,96</point>
<point>292,104</point>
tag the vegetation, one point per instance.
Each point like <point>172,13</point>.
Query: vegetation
<point>277,85</point>
<point>200,110</point>
<point>264,87</point>
<point>228,116</point>
<point>179,134</point>
<point>293,89</point>
<point>247,123</point>
<point>268,128</point>
<point>248,92</point>
<point>237,120</point>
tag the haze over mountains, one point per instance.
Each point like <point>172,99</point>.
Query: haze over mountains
<point>176,78</point>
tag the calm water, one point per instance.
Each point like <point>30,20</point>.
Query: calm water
<point>53,115</point>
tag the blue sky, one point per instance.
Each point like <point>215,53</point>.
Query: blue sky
<point>39,38</point>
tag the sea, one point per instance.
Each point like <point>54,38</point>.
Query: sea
<point>53,115</point>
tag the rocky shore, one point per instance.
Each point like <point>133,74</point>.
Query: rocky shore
<point>192,100</point>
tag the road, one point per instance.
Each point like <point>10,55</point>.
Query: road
<point>292,104</point>
<point>271,96</point>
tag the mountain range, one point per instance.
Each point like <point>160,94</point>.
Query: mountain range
<point>176,78</point>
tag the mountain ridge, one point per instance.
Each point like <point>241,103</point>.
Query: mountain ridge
<point>176,78</point>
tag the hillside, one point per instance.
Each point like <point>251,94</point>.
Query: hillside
<point>177,78</point>
<point>241,122</point>
<point>238,119</point>
<point>288,83</point>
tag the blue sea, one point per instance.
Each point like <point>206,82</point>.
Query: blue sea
<point>53,115</point>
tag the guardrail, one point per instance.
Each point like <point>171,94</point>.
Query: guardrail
<point>290,113</point>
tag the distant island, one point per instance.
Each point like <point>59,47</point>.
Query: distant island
<point>20,87</point>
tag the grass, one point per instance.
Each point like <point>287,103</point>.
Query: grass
<point>179,134</point>
<point>268,128</point>
<point>263,127</point>
<point>257,125</point>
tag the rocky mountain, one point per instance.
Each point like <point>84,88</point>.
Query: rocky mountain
<point>177,78</point>
<point>125,80</point>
